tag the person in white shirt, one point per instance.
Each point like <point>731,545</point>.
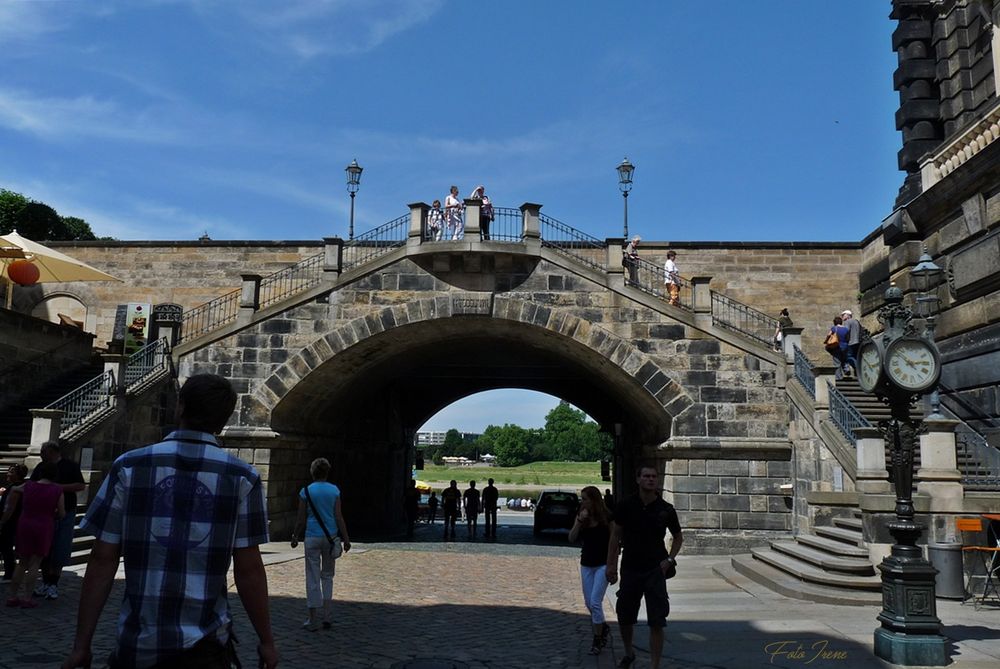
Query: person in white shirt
<point>453,215</point>
<point>672,279</point>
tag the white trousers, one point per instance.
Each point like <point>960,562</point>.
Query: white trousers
<point>595,584</point>
<point>319,571</point>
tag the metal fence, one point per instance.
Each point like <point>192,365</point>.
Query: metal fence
<point>743,319</point>
<point>507,225</point>
<point>291,280</point>
<point>148,360</point>
<point>375,243</point>
<point>982,461</point>
<point>210,316</point>
<point>569,241</point>
<point>93,397</point>
<point>845,415</point>
<point>650,278</point>
<point>804,372</point>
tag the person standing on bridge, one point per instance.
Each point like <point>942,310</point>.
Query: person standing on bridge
<point>630,260</point>
<point>453,208</point>
<point>672,279</point>
<point>485,211</point>
<point>471,498</point>
<point>450,499</point>
<point>179,512</point>
<point>435,221</point>
<point>640,525</point>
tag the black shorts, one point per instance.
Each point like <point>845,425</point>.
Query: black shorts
<point>634,586</point>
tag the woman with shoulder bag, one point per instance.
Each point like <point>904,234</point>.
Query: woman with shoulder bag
<point>325,537</point>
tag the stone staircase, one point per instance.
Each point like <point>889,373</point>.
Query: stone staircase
<point>831,566</point>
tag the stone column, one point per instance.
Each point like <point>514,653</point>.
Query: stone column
<point>790,338</point>
<point>116,364</point>
<point>167,322</point>
<point>872,476</point>
<point>472,219</point>
<point>824,375</point>
<point>418,223</point>
<point>249,297</point>
<point>701,295</point>
<point>938,476</point>
<point>333,254</point>
<point>46,424</point>
<point>530,215</point>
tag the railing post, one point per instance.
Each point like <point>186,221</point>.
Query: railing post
<point>871,476</point>
<point>418,223</point>
<point>530,216</point>
<point>791,337</point>
<point>116,364</point>
<point>333,254</point>
<point>249,297</point>
<point>167,323</point>
<point>824,375</point>
<point>46,424</point>
<point>939,476</point>
<point>472,208</point>
<point>701,295</point>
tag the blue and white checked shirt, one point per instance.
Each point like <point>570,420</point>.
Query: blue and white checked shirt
<point>178,509</point>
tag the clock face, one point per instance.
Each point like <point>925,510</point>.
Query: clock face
<point>869,367</point>
<point>911,364</point>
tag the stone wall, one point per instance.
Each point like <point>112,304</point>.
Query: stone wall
<point>34,352</point>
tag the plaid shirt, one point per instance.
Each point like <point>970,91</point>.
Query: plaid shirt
<point>178,509</point>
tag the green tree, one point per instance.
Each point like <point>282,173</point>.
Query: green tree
<point>77,228</point>
<point>454,444</point>
<point>569,435</point>
<point>510,444</point>
<point>39,221</point>
<point>10,204</point>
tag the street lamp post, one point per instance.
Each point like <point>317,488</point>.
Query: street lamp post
<point>625,170</point>
<point>353,183</point>
<point>926,279</point>
<point>899,367</point>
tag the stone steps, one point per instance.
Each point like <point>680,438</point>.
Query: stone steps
<point>844,535</point>
<point>810,573</point>
<point>831,546</point>
<point>824,560</point>
<point>853,523</point>
<point>790,586</point>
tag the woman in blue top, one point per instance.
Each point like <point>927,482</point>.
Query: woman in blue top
<point>323,499</point>
<point>840,354</point>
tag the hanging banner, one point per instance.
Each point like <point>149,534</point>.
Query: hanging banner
<point>136,326</point>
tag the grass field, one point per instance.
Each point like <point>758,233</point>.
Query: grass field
<point>554,474</point>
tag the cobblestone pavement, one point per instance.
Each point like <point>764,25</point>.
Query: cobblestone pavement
<point>429,604</point>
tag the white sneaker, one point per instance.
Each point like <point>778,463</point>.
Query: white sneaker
<point>52,592</point>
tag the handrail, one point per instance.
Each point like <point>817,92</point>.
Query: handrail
<point>92,397</point>
<point>210,316</point>
<point>376,242</point>
<point>742,319</point>
<point>985,473</point>
<point>804,372</point>
<point>649,277</point>
<point>300,277</point>
<point>146,361</point>
<point>571,242</point>
<point>845,415</point>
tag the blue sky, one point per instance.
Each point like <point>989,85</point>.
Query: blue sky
<point>164,119</point>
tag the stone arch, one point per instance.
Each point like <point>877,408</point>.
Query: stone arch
<point>657,397</point>
<point>62,307</point>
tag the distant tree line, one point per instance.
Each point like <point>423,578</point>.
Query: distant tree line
<point>38,221</point>
<point>567,435</point>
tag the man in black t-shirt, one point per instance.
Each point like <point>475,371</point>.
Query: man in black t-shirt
<point>471,498</point>
<point>640,526</point>
<point>451,497</point>
<point>68,475</point>
<point>490,497</point>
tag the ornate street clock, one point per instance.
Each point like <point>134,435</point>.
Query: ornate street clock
<point>912,364</point>
<point>870,366</point>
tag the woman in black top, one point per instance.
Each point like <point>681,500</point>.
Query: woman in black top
<point>592,527</point>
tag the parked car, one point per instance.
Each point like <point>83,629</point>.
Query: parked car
<point>555,510</point>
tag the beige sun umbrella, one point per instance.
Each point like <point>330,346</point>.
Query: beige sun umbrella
<point>53,266</point>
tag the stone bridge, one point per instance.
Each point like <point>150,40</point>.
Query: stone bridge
<point>348,354</point>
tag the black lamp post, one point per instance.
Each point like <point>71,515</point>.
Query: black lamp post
<point>353,183</point>
<point>926,279</point>
<point>625,171</point>
<point>899,368</point>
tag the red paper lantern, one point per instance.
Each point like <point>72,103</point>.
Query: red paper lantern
<point>23,273</point>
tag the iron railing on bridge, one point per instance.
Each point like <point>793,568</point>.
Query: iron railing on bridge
<point>210,316</point>
<point>375,243</point>
<point>92,398</point>
<point>507,226</point>
<point>845,415</point>
<point>291,280</point>
<point>804,372</point>
<point>743,319</point>
<point>650,278</point>
<point>571,242</point>
<point>148,360</point>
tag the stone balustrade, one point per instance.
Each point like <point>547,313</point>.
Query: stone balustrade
<point>954,154</point>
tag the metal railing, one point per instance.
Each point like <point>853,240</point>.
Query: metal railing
<point>291,280</point>
<point>743,319</point>
<point>983,461</point>
<point>804,372</point>
<point>507,225</point>
<point>650,278</point>
<point>376,242</point>
<point>210,316</point>
<point>148,360</point>
<point>93,397</point>
<point>569,241</point>
<point>845,415</point>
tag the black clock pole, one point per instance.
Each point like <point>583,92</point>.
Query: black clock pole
<point>910,632</point>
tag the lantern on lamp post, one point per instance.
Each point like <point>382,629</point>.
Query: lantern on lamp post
<point>353,183</point>
<point>625,170</point>
<point>926,279</point>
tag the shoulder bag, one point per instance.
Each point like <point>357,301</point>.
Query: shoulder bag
<point>336,545</point>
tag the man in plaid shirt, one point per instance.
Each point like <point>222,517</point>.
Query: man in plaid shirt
<point>178,512</point>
